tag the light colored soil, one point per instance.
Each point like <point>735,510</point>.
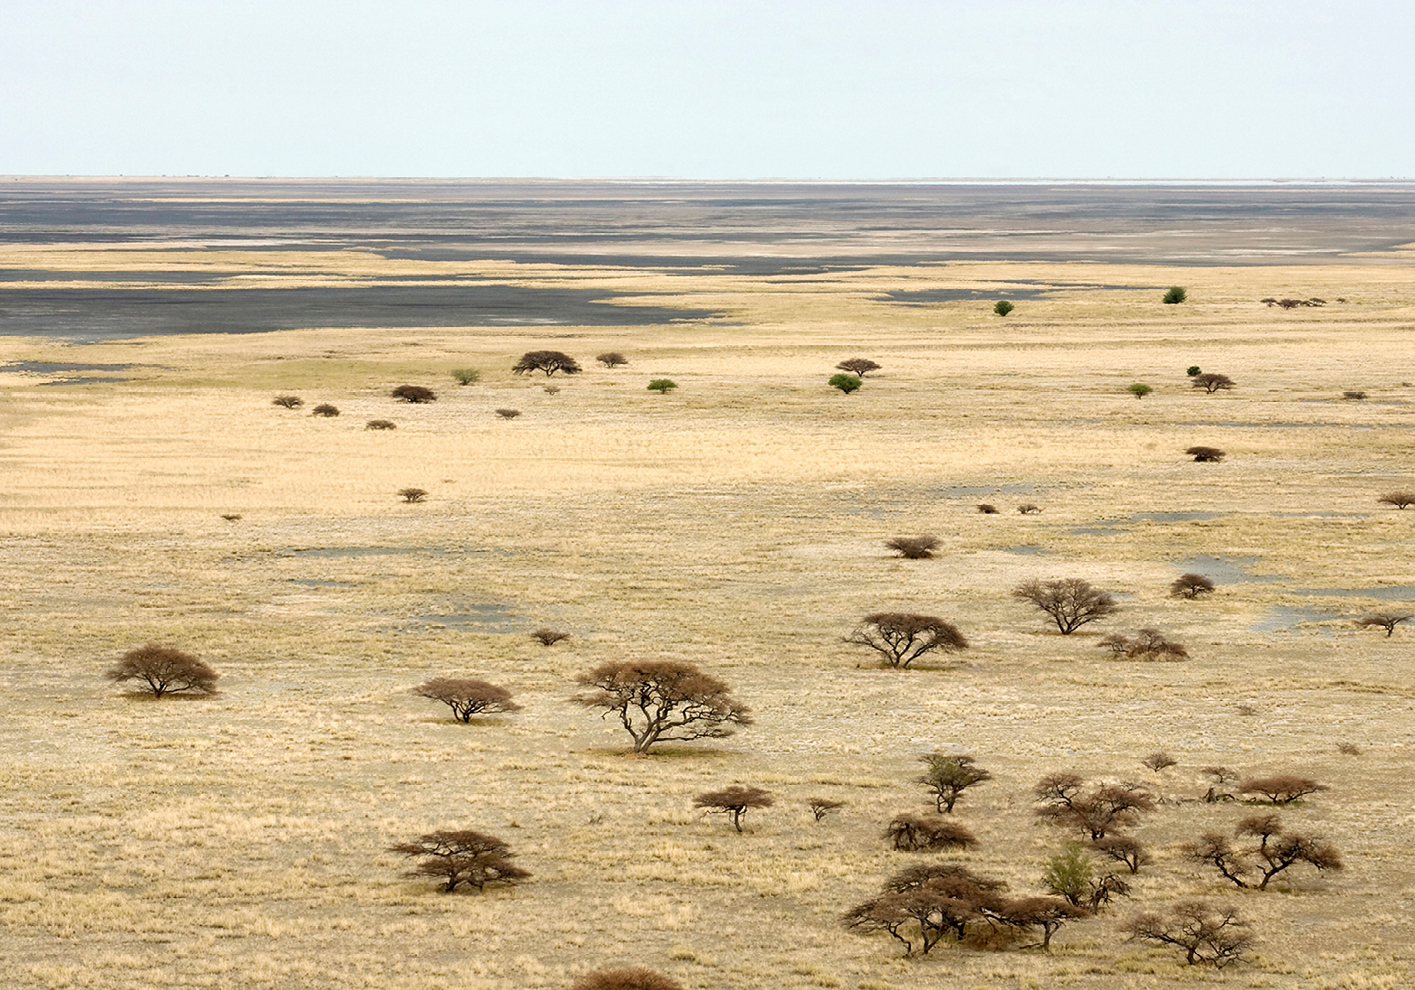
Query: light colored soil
<point>739,524</point>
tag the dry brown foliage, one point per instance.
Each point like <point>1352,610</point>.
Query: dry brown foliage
<point>1190,586</point>
<point>734,801</point>
<point>414,394</point>
<point>459,857</point>
<point>1281,788</point>
<point>1211,382</point>
<point>611,359</point>
<point>914,547</point>
<point>858,366</point>
<point>164,670</point>
<point>288,401</point>
<point>1399,499</point>
<point>1384,620</point>
<point>626,978</point>
<point>326,410</point>
<point>1147,644</point>
<point>1159,761</point>
<point>547,361</point>
<point>1204,454</point>
<point>508,413</point>
<point>1275,851</point>
<point>1070,602</point>
<point>1096,813</point>
<point>662,701</point>
<point>380,424</point>
<point>901,638</point>
<point>413,494</point>
<point>467,696</point>
<point>925,833</point>
<point>549,637</point>
<point>1206,934</point>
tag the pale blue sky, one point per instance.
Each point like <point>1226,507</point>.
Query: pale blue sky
<point>709,89</point>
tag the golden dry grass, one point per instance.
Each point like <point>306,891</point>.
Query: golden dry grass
<point>737,523</point>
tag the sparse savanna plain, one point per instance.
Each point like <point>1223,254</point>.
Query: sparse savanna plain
<point>737,523</point>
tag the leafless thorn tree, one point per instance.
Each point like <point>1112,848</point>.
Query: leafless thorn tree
<point>164,670</point>
<point>1070,602</point>
<point>901,638</point>
<point>1385,620</point>
<point>1206,934</point>
<point>914,547</point>
<point>1190,586</point>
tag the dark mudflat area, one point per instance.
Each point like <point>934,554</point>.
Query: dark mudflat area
<point>762,230</point>
<point>120,313</point>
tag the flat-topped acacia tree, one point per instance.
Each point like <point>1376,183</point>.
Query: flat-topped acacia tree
<point>547,361</point>
<point>165,670</point>
<point>662,701</point>
<point>900,638</point>
<point>467,696</point>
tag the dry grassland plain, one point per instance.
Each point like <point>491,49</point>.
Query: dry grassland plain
<point>737,523</point>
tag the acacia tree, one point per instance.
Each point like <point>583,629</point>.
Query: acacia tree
<point>1147,644</point>
<point>164,670</point>
<point>1205,934</point>
<point>949,776</point>
<point>611,359</point>
<point>459,857</point>
<point>901,638</point>
<point>662,701</point>
<point>923,904</point>
<point>1211,382</point>
<point>1097,812</point>
<point>820,807</point>
<point>414,393</point>
<point>734,802</point>
<point>1070,602</point>
<point>1385,620</point>
<point>467,696</point>
<point>1400,499</point>
<point>1283,788</point>
<point>1190,586</point>
<point>920,833</point>
<point>1276,850</point>
<point>858,366</point>
<point>547,361</point>
<point>1203,454</point>
<point>288,401</point>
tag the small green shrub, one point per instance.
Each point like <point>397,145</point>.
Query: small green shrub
<point>846,383</point>
<point>662,385</point>
<point>1139,390</point>
<point>1193,370</point>
<point>1003,307</point>
<point>1176,294</point>
<point>466,376</point>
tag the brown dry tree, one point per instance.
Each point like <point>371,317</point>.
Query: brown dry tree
<point>612,359</point>
<point>1274,851</point>
<point>1069,602</point>
<point>414,393</point>
<point>1202,454</point>
<point>926,833</point>
<point>1215,936</point>
<point>858,366</point>
<point>288,401</point>
<point>1190,586</point>
<point>1399,499</point>
<point>1283,788</point>
<point>734,802</point>
<point>662,701</point>
<point>164,670</point>
<point>458,857</point>
<point>548,362</point>
<point>549,637</point>
<point>1384,620</point>
<point>1211,382</point>
<point>900,638</point>
<point>467,696</point>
